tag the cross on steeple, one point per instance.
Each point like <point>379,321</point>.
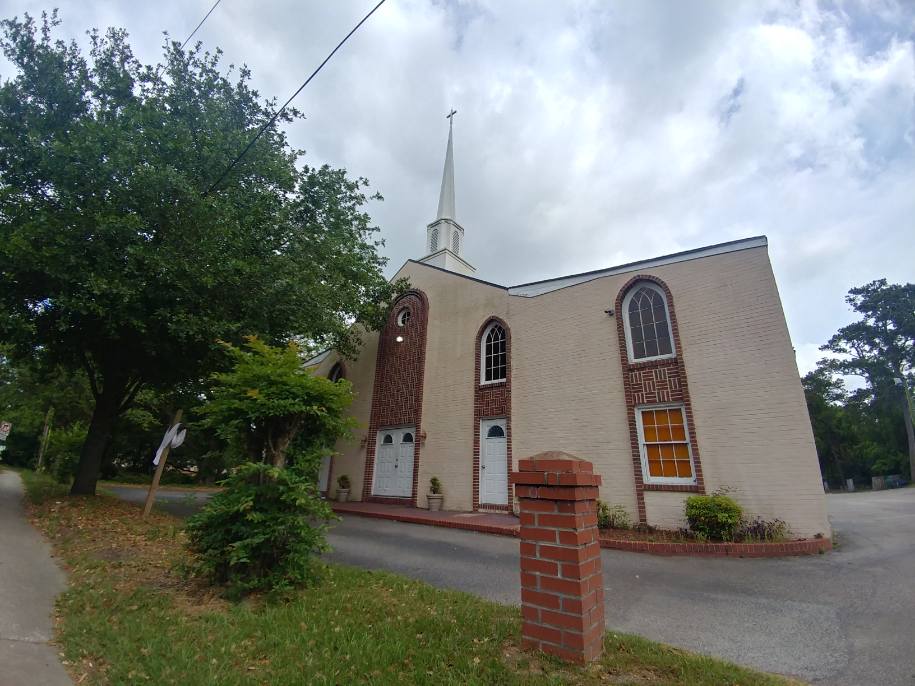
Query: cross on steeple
<point>444,236</point>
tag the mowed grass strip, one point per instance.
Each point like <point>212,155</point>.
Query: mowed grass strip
<point>130,616</point>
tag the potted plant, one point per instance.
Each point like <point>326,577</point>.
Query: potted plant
<point>435,494</point>
<point>342,488</point>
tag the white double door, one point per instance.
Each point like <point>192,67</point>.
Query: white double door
<point>493,463</point>
<point>394,463</point>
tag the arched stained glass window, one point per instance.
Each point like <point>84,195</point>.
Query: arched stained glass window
<point>494,354</point>
<point>495,431</point>
<point>647,323</point>
<point>336,373</point>
<point>456,243</point>
<point>433,241</point>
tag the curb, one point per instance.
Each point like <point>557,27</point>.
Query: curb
<point>807,546</point>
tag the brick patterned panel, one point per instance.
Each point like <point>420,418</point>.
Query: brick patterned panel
<point>655,382</point>
<point>491,401</point>
<point>397,396</point>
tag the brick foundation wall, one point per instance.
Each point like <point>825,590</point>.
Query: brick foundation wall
<point>397,395</point>
<point>491,401</point>
<point>655,382</point>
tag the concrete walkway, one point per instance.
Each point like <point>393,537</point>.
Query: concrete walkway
<point>29,582</point>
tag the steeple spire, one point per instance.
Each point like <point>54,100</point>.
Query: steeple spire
<point>446,197</point>
<point>444,236</point>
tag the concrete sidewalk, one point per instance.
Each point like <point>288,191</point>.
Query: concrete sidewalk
<point>29,582</point>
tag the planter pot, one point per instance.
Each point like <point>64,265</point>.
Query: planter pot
<point>435,501</point>
<point>342,495</point>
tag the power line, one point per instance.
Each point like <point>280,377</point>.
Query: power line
<point>285,104</point>
<point>215,5</point>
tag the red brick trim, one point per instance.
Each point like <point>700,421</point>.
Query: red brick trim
<point>655,382</point>
<point>491,401</point>
<point>397,394</point>
<point>672,488</point>
<point>390,500</point>
<point>422,518</point>
<point>807,546</point>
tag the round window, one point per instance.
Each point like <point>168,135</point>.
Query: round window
<point>403,317</point>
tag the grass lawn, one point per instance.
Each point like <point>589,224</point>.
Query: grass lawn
<point>130,617</point>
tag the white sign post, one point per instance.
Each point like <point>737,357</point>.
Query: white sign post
<point>173,438</point>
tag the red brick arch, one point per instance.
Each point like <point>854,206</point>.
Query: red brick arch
<point>397,394</point>
<point>494,401</point>
<point>655,382</point>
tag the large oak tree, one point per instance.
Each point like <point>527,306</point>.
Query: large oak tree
<point>116,260</point>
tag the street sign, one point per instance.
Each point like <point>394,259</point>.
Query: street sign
<point>5,428</point>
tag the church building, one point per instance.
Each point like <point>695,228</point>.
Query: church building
<point>673,375</point>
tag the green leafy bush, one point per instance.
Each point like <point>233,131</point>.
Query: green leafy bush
<point>343,482</point>
<point>64,446</point>
<point>612,516</point>
<point>762,530</point>
<point>435,486</point>
<point>263,532</point>
<point>716,517</point>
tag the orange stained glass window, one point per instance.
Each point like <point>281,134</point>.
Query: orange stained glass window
<point>665,444</point>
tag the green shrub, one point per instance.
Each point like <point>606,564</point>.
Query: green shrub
<point>762,530</point>
<point>435,486</point>
<point>343,482</point>
<point>64,446</point>
<point>612,516</point>
<point>263,532</point>
<point>716,517</point>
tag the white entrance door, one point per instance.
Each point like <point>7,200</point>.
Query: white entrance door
<point>324,474</point>
<point>394,463</point>
<point>493,465</point>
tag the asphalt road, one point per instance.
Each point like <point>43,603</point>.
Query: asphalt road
<point>845,618</point>
<point>181,502</point>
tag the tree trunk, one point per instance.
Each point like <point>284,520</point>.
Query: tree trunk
<point>909,431</point>
<point>104,416</point>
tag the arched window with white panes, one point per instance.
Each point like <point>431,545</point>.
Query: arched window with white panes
<point>646,319</point>
<point>493,354</point>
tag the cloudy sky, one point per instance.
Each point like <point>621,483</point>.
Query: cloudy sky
<point>594,133</point>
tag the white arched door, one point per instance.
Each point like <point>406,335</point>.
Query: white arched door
<point>493,463</point>
<point>394,463</point>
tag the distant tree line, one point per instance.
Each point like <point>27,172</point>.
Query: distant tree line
<point>867,431</point>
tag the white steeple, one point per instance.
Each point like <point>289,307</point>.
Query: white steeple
<point>444,236</point>
<point>446,197</point>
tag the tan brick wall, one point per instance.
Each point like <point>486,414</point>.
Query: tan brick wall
<point>457,309</point>
<point>665,510</point>
<point>567,390</point>
<point>350,457</point>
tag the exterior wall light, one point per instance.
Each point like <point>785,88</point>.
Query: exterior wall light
<point>399,339</point>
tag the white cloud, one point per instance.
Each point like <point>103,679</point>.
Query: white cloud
<point>594,133</point>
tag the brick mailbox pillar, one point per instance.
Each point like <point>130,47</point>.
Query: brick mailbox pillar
<point>562,593</point>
